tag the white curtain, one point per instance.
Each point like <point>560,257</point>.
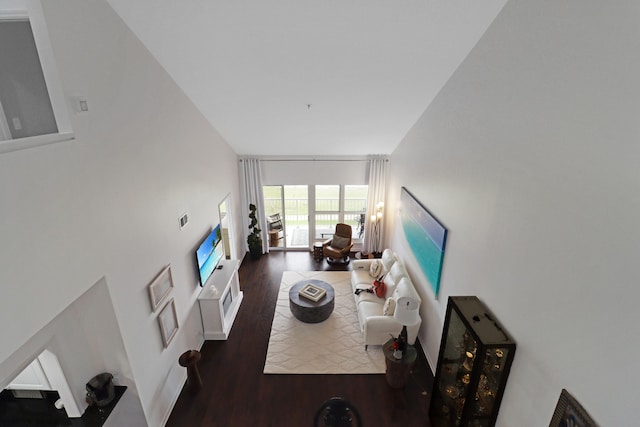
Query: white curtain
<point>251,189</point>
<point>374,233</point>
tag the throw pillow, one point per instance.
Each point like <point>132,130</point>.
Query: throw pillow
<point>375,269</point>
<point>339,242</point>
<point>389,307</point>
<point>379,288</point>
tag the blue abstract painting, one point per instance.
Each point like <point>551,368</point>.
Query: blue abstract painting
<point>426,237</point>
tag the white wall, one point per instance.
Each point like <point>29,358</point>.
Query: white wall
<point>529,155</point>
<point>315,172</point>
<point>108,202</point>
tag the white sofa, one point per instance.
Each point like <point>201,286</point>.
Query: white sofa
<point>376,327</point>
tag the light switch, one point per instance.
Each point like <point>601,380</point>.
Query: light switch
<point>16,123</point>
<point>80,104</point>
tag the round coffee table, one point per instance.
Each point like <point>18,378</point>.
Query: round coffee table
<point>308,311</point>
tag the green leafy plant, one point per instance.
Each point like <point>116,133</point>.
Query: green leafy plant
<point>254,239</point>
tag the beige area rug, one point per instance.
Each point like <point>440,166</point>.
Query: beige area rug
<point>334,346</point>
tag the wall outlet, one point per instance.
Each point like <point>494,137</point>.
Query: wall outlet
<point>17,125</point>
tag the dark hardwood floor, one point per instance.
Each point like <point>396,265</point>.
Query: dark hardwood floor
<point>235,392</point>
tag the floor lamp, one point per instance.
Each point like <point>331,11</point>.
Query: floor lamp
<point>376,218</point>
<point>407,314</point>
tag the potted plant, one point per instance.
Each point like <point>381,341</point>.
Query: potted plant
<point>255,238</point>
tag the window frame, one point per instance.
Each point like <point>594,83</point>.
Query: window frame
<point>35,16</point>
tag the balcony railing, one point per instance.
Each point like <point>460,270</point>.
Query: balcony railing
<point>296,214</point>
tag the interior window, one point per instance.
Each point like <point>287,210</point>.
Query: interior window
<point>24,99</point>
<point>32,106</point>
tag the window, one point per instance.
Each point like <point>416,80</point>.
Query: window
<point>32,108</point>
<point>327,210</point>
<point>340,203</point>
<point>310,213</point>
<point>355,207</point>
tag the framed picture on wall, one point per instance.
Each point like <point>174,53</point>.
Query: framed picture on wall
<point>160,288</point>
<point>426,235</point>
<point>569,413</point>
<point>168,321</point>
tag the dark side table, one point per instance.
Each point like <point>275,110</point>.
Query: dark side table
<point>317,251</point>
<point>398,369</point>
<point>189,359</point>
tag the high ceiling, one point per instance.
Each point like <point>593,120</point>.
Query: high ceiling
<point>310,77</point>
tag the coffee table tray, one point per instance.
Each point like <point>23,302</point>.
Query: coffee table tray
<point>312,292</point>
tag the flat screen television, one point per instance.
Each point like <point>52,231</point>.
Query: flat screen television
<point>209,254</point>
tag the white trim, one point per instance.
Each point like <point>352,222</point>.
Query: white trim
<point>58,381</point>
<point>34,141</point>
<point>9,15</point>
<point>5,131</point>
<point>49,69</point>
<point>14,15</point>
<point>35,16</point>
<point>312,158</point>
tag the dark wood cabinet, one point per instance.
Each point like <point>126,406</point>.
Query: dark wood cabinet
<point>475,357</point>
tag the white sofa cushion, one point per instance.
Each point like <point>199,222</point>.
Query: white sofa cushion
<point>367,309</point>
<point>405,289</point>
<point>388,259</point>
<point>393,277</point>
<point>368,297</point>
<point>360,279</point>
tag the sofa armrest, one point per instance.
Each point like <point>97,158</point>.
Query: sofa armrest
<point>378,329</point>
<point>383,323</point>
<point>361,264</point>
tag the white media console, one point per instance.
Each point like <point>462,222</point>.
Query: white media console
<point>220,300</point>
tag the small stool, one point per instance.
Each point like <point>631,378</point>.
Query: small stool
<point>317,251</point>
<point>189,359</point>
<point>274,237</point>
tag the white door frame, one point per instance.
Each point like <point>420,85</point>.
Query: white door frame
<point>5,132</point>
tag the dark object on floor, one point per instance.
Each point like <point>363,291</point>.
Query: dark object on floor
<point>100,390</point>
<point>337,412</point>
<point>317,252</point>
<point>254,240</point>
<point>189,359</point>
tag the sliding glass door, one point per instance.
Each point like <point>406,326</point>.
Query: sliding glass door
<point>327,210</point>
<point>310,213</point>
<point>296,209</point>
<point>354,209</point>
<point>287,210</point>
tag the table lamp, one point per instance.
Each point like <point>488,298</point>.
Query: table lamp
<point>407,313</point>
